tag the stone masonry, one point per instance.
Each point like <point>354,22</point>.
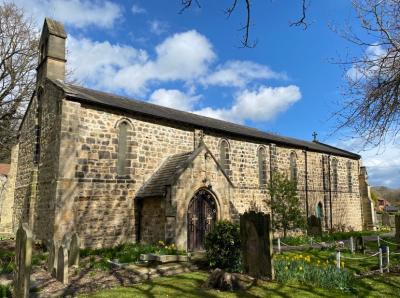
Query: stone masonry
<point>67,170</point>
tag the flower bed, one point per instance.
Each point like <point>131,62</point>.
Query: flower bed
<point>308,270</point>
<point>131,252</point>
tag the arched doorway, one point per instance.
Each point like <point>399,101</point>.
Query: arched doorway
<point>201,217</point>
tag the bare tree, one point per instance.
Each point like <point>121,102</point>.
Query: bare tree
<point>247,6</point>
<point>18,60</point>
<point>372,104</point>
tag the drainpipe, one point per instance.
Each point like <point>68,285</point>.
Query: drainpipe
<point>330,190</point>
<point>306,182</point>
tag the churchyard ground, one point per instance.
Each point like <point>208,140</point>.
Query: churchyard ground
<point>95,277</point>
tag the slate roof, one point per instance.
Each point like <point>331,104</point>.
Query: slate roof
<point>108,100</point>
<point>4,169</point>
<point>170,171</point>
<point>165,175</point>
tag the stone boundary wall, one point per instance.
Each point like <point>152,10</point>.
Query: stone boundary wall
<point>7,200</point>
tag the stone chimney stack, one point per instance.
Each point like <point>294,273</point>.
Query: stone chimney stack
<point>52,52</point>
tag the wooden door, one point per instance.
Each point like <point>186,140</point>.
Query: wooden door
<point>202,215</point>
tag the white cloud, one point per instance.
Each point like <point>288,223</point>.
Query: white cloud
<point>238,73</point>
<point>183,56</point>
<point>259,105</point>
<point>77,13</point>
<point>383,163</point>
<point>361,70</point>
<point>157,27</point>
<point>173,98</point>
<point>97,62</point>
<point>137,9</point>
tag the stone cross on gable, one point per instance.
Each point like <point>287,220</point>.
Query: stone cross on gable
<point>315,136</point>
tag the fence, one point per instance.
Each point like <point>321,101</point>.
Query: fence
<point>383,252</point>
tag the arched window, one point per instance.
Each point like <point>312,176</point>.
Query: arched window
<point>293,166</point>
<point>349,180</point>
<point>262,166</point>
<point>122,148</point>
<point>224,156</point>
<point>319,211</point>
<point>334,175</point>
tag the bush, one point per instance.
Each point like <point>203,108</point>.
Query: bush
<point>7,263</point>
<point>5,291</point>
<point>130,252</point>
<point>222,246</point>
<point>312,272</point>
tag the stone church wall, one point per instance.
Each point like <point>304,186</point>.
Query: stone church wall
<point>152,220</point>
<point>84,193</point>
<point>103,203</point>
<point>49,120</point>
<point>23,183</point>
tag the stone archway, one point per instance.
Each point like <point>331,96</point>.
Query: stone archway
<point>201,217</point>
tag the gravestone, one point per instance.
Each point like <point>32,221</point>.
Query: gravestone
<point>23,261</point>
<point>397,230</point>
<point>386,219</point>
<point>66,241</point>
<point>52,258</point>
<point>256,240</point>
<point>360,246</point>
<point>314,226</point>
<point>73,254</point>
<point>62,264</point>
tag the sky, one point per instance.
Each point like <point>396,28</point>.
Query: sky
<point>288,83</point>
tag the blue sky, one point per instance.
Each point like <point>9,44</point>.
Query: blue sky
<point>287,84</point>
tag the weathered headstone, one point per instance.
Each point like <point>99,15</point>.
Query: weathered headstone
<point>256,239</point>
<point>62,264</point>
<point>397,230</point>
<point>66,241</point>
<point>52,258</point>
<point>386,219</point>
<point>314,226</point>
<point>23,261</point>
<point>73,254</point>
<point>360,246</point>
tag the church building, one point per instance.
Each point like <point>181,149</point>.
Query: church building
<point>117,170</point>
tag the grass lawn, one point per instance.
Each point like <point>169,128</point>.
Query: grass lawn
<point>189,285</point>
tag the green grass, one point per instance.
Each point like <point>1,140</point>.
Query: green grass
<point>5,291</point>
<point>355,266</point>
<point>189,285</point>
<point>327,237</point>
<point>7,263</point>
